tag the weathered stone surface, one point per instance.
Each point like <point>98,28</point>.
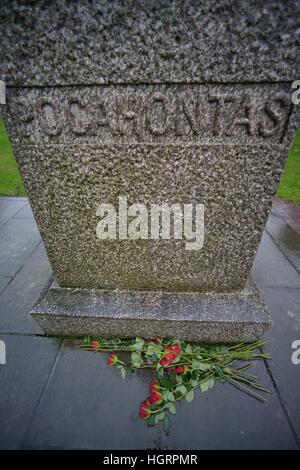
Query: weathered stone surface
<point>69,183</point>
<point>216,145</point>
<point>151,101</point>
<point>156,114</point>
<point>199,317</point>
<point>54,42</point>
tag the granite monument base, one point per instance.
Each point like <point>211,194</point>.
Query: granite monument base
<point>209,317</point>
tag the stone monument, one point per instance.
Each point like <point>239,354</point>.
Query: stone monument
<point>150,103</point>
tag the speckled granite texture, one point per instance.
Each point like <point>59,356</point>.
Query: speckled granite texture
<point>215,145</point>
<point>198,317</point>
<point>175,102</point>
<point>58,42</point>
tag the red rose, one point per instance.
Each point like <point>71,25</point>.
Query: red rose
<point>167,359</point>
<point>112,359</point>
<point>158,339</point>
<point>179,369</point>
<point>175,348</point>
<point>144,409</point>
<point>95,345</point>
<point>154,386</point>
<point>156,398</point>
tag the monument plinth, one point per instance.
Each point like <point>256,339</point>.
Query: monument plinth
<point>156,109</point>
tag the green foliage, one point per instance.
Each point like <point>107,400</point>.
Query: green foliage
<point>289,188</point>
<point>181,369</point>
<point>10,180</point>
<point>167,424</point>
<point>189,396</point>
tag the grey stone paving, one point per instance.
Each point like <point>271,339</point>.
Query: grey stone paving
<point>23,378</point>
<point>10,207</point>
<point>19,238</point>
<point>55,396</point>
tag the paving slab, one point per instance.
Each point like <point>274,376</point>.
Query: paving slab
<point>4,281</point>
<point>29,361</point>
<point>225,418</point>
<point>271,268</point>
<point>24,290</point>
<point>286,238</point>
<point>10,207</point>
<point>25,213</point>
<point>88,405</point>
<point>289,212</point>
<point>18,239</point>
<point>285,307</point>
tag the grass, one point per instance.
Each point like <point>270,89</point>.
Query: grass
<point>11,183</point>
<point>289,188</point>
<point>10,180</point>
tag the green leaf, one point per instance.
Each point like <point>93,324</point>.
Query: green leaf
<point>197,365</point>
<point>151,420</point>
<point>139,340</point>
<point>138,345</point>
<point>170,396</point>
<point>171,407</point>
<point>161,416</point>
<point>154,357</point>
<point>136,359</point>
<point>135,356</point>
<point>219,371</point>
<point>177,359</point>
<point>153,348</point>
<point>123,372</point>
<point>204,366</point>
<point>204,386</point>
<point>166,383</point>
<point>172,377</point>
<point>181,388</point>
<point>149,350</point>
<point>188,349</point>
<point>190,396</point>
<point>166,424</point>
<point>211,383</point>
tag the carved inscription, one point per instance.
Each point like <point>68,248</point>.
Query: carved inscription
<point>137,115</point>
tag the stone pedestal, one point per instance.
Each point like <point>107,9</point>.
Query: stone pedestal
<point>198,317</point>
<point>173,103</point>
